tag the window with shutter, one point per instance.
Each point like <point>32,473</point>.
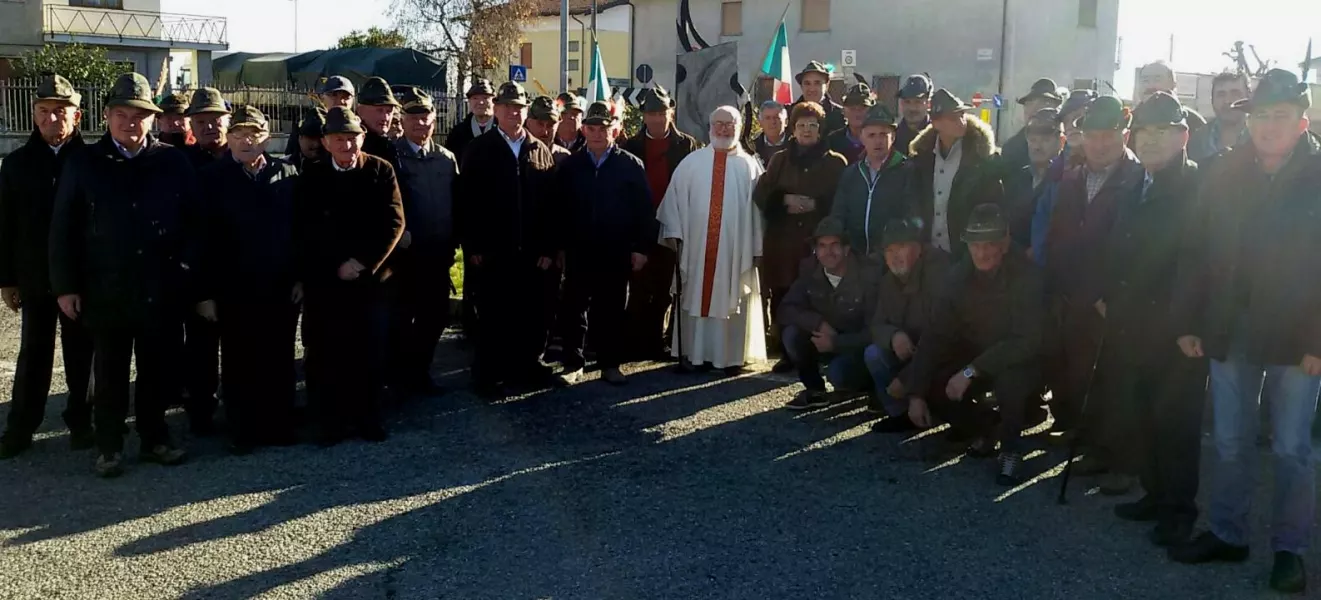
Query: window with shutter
<point>731,18</point>
<point>816,15</point>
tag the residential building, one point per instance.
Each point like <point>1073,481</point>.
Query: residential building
<point>968,46</point>
<point>539,50</point>
<point>134,32</point>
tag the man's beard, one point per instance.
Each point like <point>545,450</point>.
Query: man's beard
<point>723,143</point>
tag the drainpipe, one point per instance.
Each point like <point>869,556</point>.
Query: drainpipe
<point>1004,34</point>
<point>632,37</point>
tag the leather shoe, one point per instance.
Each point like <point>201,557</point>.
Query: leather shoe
<point>1207,548</point>
<point>1288,575</point>
<point>1169,533</point>
<point>784,365</point>
<point>896,424</point>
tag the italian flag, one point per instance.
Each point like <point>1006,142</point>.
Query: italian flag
<point>598,87</point>
<point>776,66</point>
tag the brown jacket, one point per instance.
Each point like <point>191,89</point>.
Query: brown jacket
<point>848,308</point>
<point>977,181</point>
<point>1079,230</point>
<point>812,172</point>
<point>907,306</point>
<point>340,215</point>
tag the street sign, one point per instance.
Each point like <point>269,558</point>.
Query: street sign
<point>518,73</point>
<point>848,58</point>
<point>977,99</point>
<point>644,73</point>
<point>998,101</point>
<point>986,116</point>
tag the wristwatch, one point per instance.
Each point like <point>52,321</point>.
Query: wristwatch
<point>969,372</point>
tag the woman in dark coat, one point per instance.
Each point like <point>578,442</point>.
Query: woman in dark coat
<point>794,194</point>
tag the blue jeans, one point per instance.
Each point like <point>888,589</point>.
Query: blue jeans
<point>1236,391</point>
<point>884,365</point>
<point>844,371</point>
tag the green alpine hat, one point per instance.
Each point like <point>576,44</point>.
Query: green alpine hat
<point>544,108</point>
<point>880,114</point>
<point>132,90</point>
<point>342,120</point>
<point>812,67</point>
<point>1045,121</point>
<point>1106,113</point>
<point>944,102</point>
<point>512,93</point>
<point>831,226</point>
<point>174,104</point>
<point>985,224</point>
<point>1043,88</point>
<point>568,101</point>
<point>247,115</point>
<point>1159,109</point>
<point>314,124</point>
<point>917,86</point>
<point>859,95</point>
<point>656,100</point>
<point>376,92</point>
<point>206,100</point>
<point>56,88</point>
<point>1277,87</point>
<point>416,101</point>
<point>900,231</point>
<point>599,114</point>
<point>481,87</point>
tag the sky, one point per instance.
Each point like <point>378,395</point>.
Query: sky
<point>1202,29</point>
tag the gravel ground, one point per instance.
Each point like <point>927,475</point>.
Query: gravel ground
<point>673,487</point>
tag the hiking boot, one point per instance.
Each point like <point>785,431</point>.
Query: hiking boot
<point>898,424</point>
<point>82,439</point>
<point>1011,465</point>
<point>1116,484</point>
<point>1288,575</point>
<point>163,454</point>
<point>109,465</point>
<point>982,447</point>
<point>782,366</point>
<point>612,376</point>
<point>1170,533</point>
<point>14,446</point>
<point>1142,511</point>
<point>569,378</point>
<point>1207,548</point>
<point>808,399</point>
<point>735,371</point>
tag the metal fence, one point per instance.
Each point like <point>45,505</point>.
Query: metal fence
<point>283,106</point>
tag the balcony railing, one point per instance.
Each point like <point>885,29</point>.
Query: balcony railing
<point>130,26</point>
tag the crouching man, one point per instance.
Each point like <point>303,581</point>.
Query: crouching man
<point>985,335</point>
<point>826,315</point>
<point>914,276</point>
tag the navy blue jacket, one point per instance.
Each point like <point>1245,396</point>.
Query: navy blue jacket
<point>607,211</point>
<point>249,253</point>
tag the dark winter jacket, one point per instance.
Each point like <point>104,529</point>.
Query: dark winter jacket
<point>681,145</point>
<point>249,248</point>
<point>848,308</point>
<point>908,305</point>
<point>426,185</point>
<point>341,215</point>
<point>606,212</point>
<point>28,179</point>
<point>382,147</point>
<point>812,172</point>
<point>1013,154</point>
<point>1252,255</point>
<point>865,206</point>
<point>505,205</point>
<point>905,134</point>
<point>844,145</point>
<point>1080,229</point>
<point>763,149</point>
<point>126,233</point>
<point>977,181</point>
<point>201,157</point>
<point>458,138</point>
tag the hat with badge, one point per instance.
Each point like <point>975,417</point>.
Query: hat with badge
<point>207,100</point>
<point>599,113</point>
<point>511,92</point>
<point>416,101</point>
<point>247,115</point>
<point>812,67</point>
<point>1045,122</point>
<point>880,114</point>
<point>342,120</point>
<point>1077,100</point>
<point>831,227</point>
<point>985,224</point>
<point>1160,110</point>
<point>131,90</point>
<point>544,108</point>
<point>174,104</point>
<point>1106,113</point>
<point>56,88</point>
<point>481,87</point>
<point>656,100</point>
<point>314,124</point>
<point>944,102</point>
<point>376,92</point>
<point>571,101</point>
<point>1278,86</point>
<point>337,83</point>
<point>859,95</point>
<point>916,86</point>
<point>1043,89</point>
<point>901,231</point>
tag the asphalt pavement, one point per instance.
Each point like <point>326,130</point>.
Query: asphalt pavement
<point>675,486</point>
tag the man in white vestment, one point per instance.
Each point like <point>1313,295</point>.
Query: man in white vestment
<point>708,216</point>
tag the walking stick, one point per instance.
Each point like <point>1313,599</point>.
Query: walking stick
<point>1073,444</point>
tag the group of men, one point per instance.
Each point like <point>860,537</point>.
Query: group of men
<point>945,278</point>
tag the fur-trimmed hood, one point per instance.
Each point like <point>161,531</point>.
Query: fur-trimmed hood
<point>980,140</point>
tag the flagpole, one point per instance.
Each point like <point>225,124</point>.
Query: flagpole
<point>752,83</point>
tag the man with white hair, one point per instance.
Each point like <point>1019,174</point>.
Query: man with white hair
<point>708,217</point>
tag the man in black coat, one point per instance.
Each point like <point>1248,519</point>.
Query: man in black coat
<point>377,107</point>
<point>569,133</point>
<point>308,147</point>
<point>123,242</point>
<point>915,108</point>
<point>348,217</point>
<point>848,141</point>
<point>28,179</point>
<point>609,224</point>
<point>814,80</point>
<point>172,124</point>
<point>248,278</point>
<point>480,119</point>
<point>505,200</point>
<point>1044,94</point>
<point>422,260</point>
<point>1045,142</point>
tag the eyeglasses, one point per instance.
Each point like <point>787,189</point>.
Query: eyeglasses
<point>250,138</point>
<point>809,126</point>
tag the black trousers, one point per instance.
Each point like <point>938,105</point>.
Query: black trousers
<point>1013,389</point>
<point>201,366</point>
<point>1153,425</point>
<point>36,358</point>
<point>345,328</point>
<point>1076,345</point>
<point>419,313</point>
<point>595,298</point>
<point>468,306</point>
<point>157,347</point>
<point>513,330</point>
<point>648,300</point>
<point>258,366</point>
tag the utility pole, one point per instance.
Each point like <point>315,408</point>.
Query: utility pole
<point>564,45</point>
<point>593,23</point>
<point>295,26</point>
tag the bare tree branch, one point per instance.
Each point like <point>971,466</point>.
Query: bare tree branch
<point>479,34</point>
